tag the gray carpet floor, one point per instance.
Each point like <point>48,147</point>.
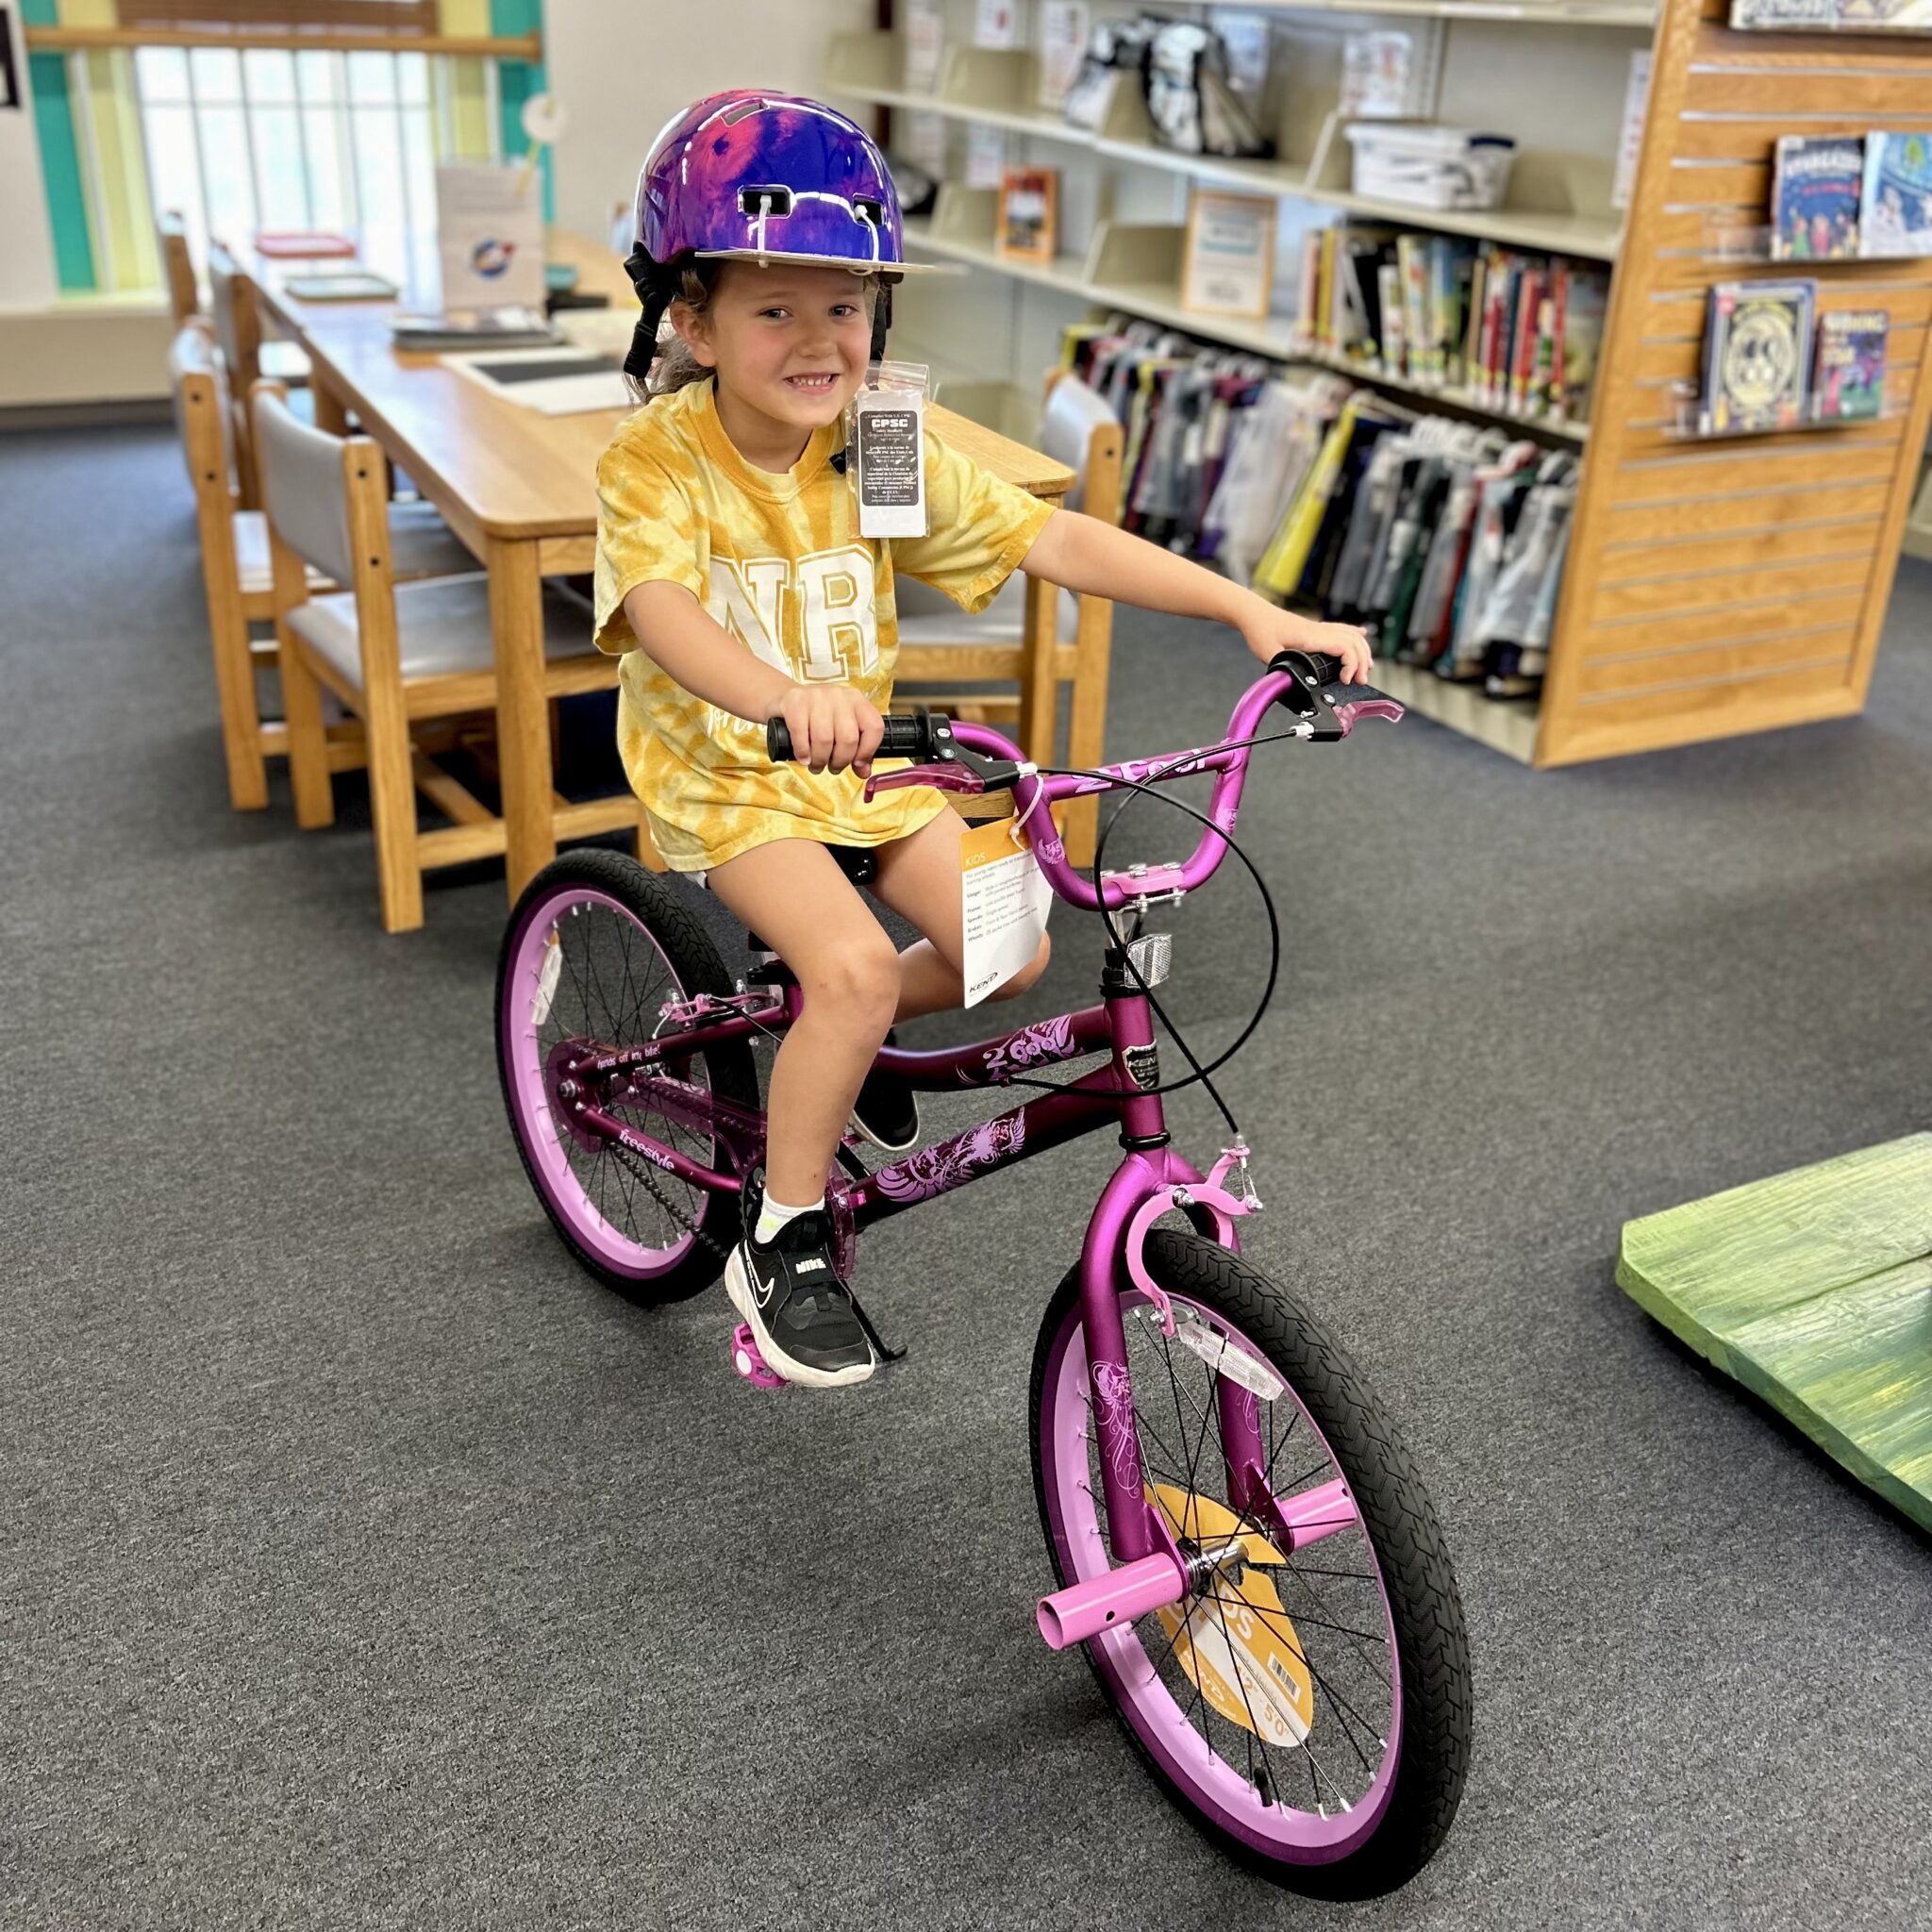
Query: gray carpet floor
<point>363,1563</point>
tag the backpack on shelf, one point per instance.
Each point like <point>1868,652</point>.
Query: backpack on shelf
<point>1182,69</point>
<point>1191,98</point>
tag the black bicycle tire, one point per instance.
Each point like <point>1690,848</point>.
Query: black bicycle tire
<point>730,1068</point>
<point>1402,1526</point>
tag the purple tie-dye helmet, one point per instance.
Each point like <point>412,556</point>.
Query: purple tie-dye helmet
<point>754,176</point>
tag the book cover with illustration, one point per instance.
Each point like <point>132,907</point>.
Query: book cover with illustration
<point>1895,216</point>
<point>1817,186</point>
<point>1849,382</point>
<point>1757,355</point>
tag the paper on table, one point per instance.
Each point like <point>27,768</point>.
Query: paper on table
<point>579,383</point>
<point>1006,899</point>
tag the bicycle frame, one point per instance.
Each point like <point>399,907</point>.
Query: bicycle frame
<point>1121,1026</point>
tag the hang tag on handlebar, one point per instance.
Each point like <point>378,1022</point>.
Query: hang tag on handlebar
<point>1005,900</point>
<point>886,434</point>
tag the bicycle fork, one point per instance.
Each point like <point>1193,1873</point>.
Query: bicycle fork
<point>1151,1569</point>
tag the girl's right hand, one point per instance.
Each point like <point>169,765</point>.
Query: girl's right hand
<point>832,726</point>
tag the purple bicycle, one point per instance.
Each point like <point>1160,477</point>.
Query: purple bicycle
<point>1242,1545</point>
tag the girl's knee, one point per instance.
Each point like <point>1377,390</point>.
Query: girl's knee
<point>1028,973</point>
<point>860,980</point>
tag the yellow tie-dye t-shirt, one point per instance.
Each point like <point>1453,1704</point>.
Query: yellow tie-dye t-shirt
<point>778,561</point>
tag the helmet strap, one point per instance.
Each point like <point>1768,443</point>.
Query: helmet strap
<point>656,283</point>
<point>881,317</point>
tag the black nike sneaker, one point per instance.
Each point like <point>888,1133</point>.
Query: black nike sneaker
<point>798,1309</point>
<point>887,1111</point>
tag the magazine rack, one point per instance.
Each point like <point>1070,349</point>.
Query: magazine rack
<point>1729,587</point>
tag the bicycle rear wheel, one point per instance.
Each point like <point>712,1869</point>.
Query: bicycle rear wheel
<point>1309,1709</point>
<point>596,945</point>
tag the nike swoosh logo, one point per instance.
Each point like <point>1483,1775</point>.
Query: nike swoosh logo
<point>762,1287</point>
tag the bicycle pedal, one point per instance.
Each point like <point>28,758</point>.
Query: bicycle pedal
<point>749,1363</point>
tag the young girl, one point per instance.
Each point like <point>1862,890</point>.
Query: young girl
<point>732,578</point>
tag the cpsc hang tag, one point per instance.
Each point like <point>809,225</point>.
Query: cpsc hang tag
<point>886,434</point>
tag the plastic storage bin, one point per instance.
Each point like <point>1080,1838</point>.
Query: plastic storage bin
<point>1429,166</point>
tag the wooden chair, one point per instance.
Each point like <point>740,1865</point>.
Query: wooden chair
<point>236,573</point>
<point>251,356</point>
<point>394,655</point>
<point>940,644</point>
<point>178,267</point>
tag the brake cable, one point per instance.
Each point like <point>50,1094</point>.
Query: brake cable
<point>1201,1076</point>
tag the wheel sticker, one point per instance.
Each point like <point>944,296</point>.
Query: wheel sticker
<point>1237,1643</point>
<point>547,976</point>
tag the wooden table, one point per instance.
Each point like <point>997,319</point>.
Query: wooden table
<point>519,490</point>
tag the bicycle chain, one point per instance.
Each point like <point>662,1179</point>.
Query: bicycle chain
<point>641,1170</point>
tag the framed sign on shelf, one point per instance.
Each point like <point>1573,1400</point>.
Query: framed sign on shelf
<point>1229,261</point>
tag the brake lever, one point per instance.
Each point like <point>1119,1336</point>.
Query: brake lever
<point>953,769</point>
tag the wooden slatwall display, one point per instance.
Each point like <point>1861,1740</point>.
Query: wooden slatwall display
<point>1722,587</point>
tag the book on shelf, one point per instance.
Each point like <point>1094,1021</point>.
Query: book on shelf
<point>1848,381</point>
<point>1757,355</point>
<point>1511,332</point>
<point>1895,211</point>
<point>1817,185</point>
<point>1029,216</point>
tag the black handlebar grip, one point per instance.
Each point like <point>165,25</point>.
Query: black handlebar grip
<point>1327,669</point>
<point>906,737</point>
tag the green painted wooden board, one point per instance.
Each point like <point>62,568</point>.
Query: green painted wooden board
<point>1814,1290</point>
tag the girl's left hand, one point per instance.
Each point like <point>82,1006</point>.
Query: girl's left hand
<point>1268,630</point>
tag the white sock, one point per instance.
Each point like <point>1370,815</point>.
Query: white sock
<point>773,1215</point>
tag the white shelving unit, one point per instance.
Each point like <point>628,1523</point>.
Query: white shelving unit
<point>1559,204</point>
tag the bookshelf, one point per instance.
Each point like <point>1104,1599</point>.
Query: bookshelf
<point>1136,267</point>
<point>1712,588</point>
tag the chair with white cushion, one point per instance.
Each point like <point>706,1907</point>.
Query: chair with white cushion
<point>236,573</point>
<point>395,655</point>
<point>939,644</point>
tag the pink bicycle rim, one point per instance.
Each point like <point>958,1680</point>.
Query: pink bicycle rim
<point>524,1056</point>
<point>1220,1791</point>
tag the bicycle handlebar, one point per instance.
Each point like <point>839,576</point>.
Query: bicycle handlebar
<point>908,736</point>
<point>1302,682</point>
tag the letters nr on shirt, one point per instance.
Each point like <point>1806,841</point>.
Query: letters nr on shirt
<point>835,636</point>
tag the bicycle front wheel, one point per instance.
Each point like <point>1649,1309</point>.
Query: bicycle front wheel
<point>1309,1708</point>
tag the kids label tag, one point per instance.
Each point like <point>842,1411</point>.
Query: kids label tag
<point>1005,902</point>
<point>889,466</point>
